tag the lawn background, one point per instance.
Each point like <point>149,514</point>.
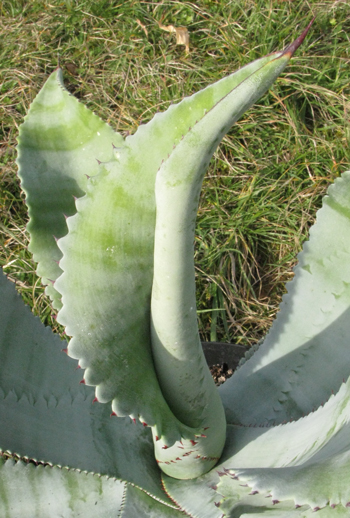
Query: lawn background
<point>267,178</point>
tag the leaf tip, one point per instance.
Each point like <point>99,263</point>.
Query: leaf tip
<point>296,43</point>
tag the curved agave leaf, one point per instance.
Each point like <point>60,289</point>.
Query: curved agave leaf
<point>306,354</point>
<point>180,364</point>
<point>108,259</point>
<point>59,143</point>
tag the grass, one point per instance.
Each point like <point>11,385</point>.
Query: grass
<point>267,178</point>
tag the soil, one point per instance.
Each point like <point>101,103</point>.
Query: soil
<point>220,373</point>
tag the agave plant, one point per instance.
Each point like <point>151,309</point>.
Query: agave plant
<point>112,225</point>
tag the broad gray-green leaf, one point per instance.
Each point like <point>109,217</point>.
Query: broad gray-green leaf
<point>39,492</point>
<point>240,501</point>
<point>31,358</point>
<point>59,145</point>
<point>307,461</point>
<point>199,499</point>
<point>306,354</point>
<point>47,415</point>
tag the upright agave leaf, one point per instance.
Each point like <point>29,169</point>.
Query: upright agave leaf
<point>129,246</point>
<point>58,146</point>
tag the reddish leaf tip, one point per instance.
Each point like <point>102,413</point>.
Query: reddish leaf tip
<point>296,44</point>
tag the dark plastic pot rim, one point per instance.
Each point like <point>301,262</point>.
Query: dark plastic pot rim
<point>219,353</point>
